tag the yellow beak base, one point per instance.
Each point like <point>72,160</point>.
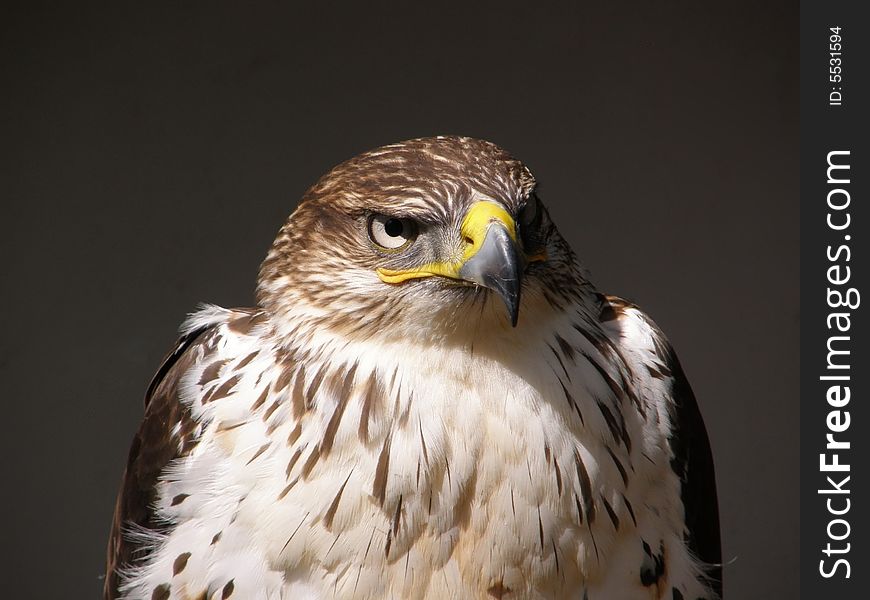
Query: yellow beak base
<point>474,227</point>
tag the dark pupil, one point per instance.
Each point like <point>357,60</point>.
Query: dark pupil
<point>394,227</point>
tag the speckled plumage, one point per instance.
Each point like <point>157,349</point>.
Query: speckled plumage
<point>350,438</point>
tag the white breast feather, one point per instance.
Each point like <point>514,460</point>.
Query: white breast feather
<point>482,493</point>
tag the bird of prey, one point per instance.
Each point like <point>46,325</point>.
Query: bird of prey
<point>429,400</point>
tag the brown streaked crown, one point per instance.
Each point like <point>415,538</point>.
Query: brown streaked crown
<point>322,255</point>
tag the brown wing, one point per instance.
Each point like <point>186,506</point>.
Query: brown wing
<point>693,463</point>
<point>692,456</point>
<point>157,442</point>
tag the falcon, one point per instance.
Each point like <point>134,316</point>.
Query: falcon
<point>429,400</point>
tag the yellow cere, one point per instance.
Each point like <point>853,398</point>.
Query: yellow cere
<point>473,229</point>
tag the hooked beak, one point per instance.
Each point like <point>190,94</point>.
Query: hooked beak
<point>496,265</point>
<point>491,257</point>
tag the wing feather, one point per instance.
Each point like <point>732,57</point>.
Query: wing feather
<point>693,463</point>
<point>167,432</point>
<point>692,457</point>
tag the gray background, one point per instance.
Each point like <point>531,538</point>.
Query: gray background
<point>150,154</point>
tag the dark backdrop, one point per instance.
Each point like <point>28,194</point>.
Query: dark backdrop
<point>151,153</point>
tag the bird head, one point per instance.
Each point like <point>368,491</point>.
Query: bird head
<point>431,234</point>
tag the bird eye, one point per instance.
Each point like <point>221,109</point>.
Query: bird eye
<point>391,233</point>
<point>529,215</point>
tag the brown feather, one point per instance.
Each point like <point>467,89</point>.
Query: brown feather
<point>155,445</point>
